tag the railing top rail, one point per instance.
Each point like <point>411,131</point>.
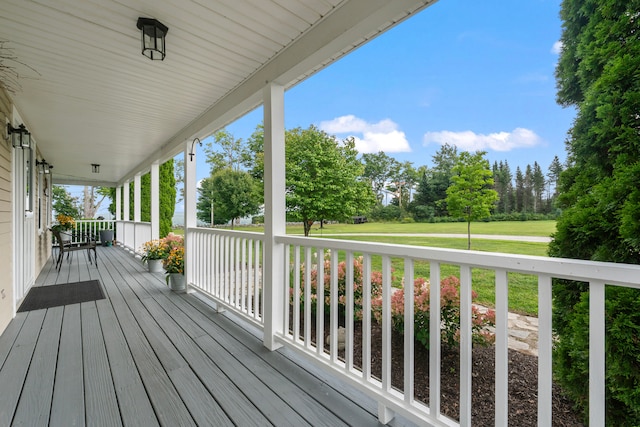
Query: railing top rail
<point>562,268</point>
<point>231,233</point>
<point>134,222</point>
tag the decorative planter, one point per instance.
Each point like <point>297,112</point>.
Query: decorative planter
<point>106,237</point>
<point>66,236</point>
<point>155,266</point>
<point>176,282</point>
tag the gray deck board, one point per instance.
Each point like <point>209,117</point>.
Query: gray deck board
<point>145,356</point>
<point>14,371</point>
<point>100,398</point>
<point>35,402</point>
<point>67,407</point>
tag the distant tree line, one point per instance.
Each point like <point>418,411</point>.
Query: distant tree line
<point>421,194</point>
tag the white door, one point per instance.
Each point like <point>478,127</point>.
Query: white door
<point>24,226</point>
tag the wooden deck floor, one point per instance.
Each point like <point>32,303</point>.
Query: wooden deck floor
<point>146,356</point>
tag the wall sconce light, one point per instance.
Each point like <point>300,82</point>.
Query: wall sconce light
<point>20,136</point>
<point>191,154</point>
<point>43,166</point>
<point>153,34</point>
<point>95,168</point>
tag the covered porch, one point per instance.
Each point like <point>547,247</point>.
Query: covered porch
<point>146,356</point>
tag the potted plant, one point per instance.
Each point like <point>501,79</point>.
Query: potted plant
<point>174,267</point>
<point>64,225</point>
<point>154,252</point>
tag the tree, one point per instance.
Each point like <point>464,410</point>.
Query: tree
<point>443,163</point>
<point>64,203</point>
<point>538,183</point>
<point>600,194</point>
<point>380,169</point>
<point>471,195</point>
<point>324,178</point>
<point>555,170</point>
<point>228,151</point>
<point>228,195</point>
<point>90,202</point>
<point>167,195</point>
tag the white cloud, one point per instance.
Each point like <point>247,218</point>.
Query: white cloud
<point>369,137</point>
<point>471,141</point>
<point>557,48</point>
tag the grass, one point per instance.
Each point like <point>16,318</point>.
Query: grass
<point>523,289</point>
<point>508,228</point>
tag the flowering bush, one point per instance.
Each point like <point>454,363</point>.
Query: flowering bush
<point>449,313</point>
<point>65,223</point>
<point>376,285</point>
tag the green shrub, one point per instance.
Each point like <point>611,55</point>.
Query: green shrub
<point>571,354</point>
<point>449,313</point>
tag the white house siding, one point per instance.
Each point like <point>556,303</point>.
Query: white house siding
<point>6,225</point>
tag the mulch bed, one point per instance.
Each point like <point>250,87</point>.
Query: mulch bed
<point>523,377</point>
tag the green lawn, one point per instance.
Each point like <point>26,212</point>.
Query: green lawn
<point>522,288</point>
<point>509,228</point>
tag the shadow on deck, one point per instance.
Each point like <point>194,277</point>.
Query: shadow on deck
<point>146,356</point>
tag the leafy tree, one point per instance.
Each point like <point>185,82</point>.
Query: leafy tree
<point>471,194</point>
<point>380,169</point>
<point>64,203</point>
<point>232,194</point>
<point>228,151</point>
<point>323,178</point>
<point>600,194</point>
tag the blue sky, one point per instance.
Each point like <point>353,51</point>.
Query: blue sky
<point>478,75</point>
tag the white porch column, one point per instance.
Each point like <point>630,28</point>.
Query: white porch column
<point>136,198</point>
<point>155,201</point>
<point>126,202</point>
<point>190,212</point>
<point>119,203</point>
<point>274,213</point>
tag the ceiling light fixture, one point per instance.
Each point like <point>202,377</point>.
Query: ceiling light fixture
<point>95,168</point>
<point>153,34</point>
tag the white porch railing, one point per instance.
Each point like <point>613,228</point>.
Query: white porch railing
<point>227,267</point>
<point>91,227</point>
<point>131,235</point>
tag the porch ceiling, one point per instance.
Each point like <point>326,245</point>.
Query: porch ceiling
<point>88,95</point>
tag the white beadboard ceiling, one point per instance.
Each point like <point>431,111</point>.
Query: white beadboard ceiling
<point>88,95</point>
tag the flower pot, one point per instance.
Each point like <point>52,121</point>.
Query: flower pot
<point>66,237</point>
<point>155,266</point>
<point>106,237</point>
<point>177,282</point>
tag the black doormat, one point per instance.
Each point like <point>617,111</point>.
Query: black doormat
<point>65,294</point>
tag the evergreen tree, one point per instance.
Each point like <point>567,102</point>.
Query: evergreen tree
<point>538,184</point>
<point>520,191</point>
<point>600,194</point>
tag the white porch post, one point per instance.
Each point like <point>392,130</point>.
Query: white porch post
<point>126,202</point>
<point>136,198</point>
<point>274,213</point>
<point>189,212</point>
<point>119,203</point>
<point>155,201</point>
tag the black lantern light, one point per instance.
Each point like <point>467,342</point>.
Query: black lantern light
<point>20,136</point>
<point>95,168</point>
<point>153,34</point>
<point>43,166</point>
